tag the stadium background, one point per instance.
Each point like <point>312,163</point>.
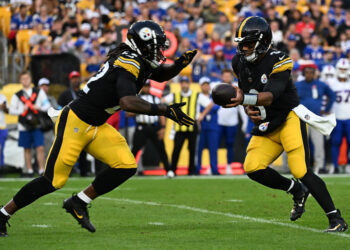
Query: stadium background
<point>56,63</point>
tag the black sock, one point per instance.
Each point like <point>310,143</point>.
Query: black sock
<point>318,189</point>
<point>296,189</point>
<point>32,191</point>
<point>270,178</point>
<point>80,201</point>
<point>110,178</point>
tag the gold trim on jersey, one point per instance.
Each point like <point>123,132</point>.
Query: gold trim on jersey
<point>130,60</point>
<point>130,65</point>
<point>286,64</point>
<point>242,25</point>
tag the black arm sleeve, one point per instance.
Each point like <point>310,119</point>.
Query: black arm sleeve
<point>277,83</point>
<point>166,72</point>
<point>126,84</point>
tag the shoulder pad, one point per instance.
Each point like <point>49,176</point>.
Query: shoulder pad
<point>130,62</point>
<point>280,61</point>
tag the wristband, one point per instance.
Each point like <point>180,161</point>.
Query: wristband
<point>162,126</point>
<point>250,99</point>
<point>154,109</point>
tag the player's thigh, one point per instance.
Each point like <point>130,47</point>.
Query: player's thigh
<point>70,140</point>
<point>110,147</point>
<point>261,152</point>
<point>294,139</point>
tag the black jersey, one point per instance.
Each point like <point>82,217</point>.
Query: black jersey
<point>122,75</point>
<point>271,73</point>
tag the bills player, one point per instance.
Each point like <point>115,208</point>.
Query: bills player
<point>341,107</point>
<point>328,74</point>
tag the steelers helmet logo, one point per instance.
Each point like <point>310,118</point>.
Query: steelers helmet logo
<point>145,34</point>
<point>263,79</point>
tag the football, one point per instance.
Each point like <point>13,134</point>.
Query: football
<point>222,94</point>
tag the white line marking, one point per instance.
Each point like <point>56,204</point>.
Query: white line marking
<point>50,204</point>
<point>41,226</point>
<point>230,215</point>
<point>235,200</point>
<point>237,216</point>
<point>156,223</point>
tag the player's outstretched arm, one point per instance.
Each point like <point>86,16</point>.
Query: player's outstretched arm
<point>137,105</point>
<point>166,72</point>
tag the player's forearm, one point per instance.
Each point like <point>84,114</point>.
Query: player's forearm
<point>166,72</point>
<point>264,99</point>
<point>137,105</point>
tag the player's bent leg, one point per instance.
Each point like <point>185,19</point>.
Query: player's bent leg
<point>261,152</point>
<point>111,148</point>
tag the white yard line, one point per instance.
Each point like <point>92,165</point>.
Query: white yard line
<point>41,225</point>
<point>231,215</point>
<point>205,211</point>
<point>235,200</point>
<point>156,223</point>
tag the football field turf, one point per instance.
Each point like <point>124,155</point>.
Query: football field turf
<point>181,213</point>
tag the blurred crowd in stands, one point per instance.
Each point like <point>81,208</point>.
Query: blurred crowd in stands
<point>315,33</point>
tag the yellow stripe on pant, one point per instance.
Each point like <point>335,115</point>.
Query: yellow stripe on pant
<point>291,137</point>
<point>73,135</point>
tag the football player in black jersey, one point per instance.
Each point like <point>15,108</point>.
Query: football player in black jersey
<point>267,91</point>
<point>81,124</point>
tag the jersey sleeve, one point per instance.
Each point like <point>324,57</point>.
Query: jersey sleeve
<point>130,62</point>
<point>281,62</point>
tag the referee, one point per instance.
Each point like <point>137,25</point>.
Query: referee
<point>150,128</point>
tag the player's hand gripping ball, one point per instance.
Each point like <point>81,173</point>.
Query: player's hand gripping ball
<point>222,94</point>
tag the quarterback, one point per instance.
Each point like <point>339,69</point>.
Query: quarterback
<point>269,95</point>
<point>82,125</point>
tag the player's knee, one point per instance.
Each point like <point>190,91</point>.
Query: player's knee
<point>68,160</point>
<point>298,173</point>
<point>59,183</point>
<point>252,165</point>
<point>297,163</point>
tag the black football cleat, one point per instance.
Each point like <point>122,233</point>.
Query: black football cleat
<point>336,223</point>
<point>79,211</point>
<point>299,203</point>
<point>3,221</point>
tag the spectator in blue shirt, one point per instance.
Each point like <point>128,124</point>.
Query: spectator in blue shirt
<point>314,51</point>
<point>311,93</point>
<point>21,20</point>
<point>156,11</point>
<point>217,64</point>
<point>43,18</point>
<point>191,32</point>
<point>228,49</point>
<point>180,22</point>
<point>201,43</point>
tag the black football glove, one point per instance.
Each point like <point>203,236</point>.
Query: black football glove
<point>187,57</point>
<point>175,113</point>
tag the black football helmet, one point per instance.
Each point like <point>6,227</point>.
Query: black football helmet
<point>148,39</point>
<point>253,29</point>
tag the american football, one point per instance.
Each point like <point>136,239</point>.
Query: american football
<point>223,93</point>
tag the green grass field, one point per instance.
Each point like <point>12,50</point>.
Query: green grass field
<point>182,213</point>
